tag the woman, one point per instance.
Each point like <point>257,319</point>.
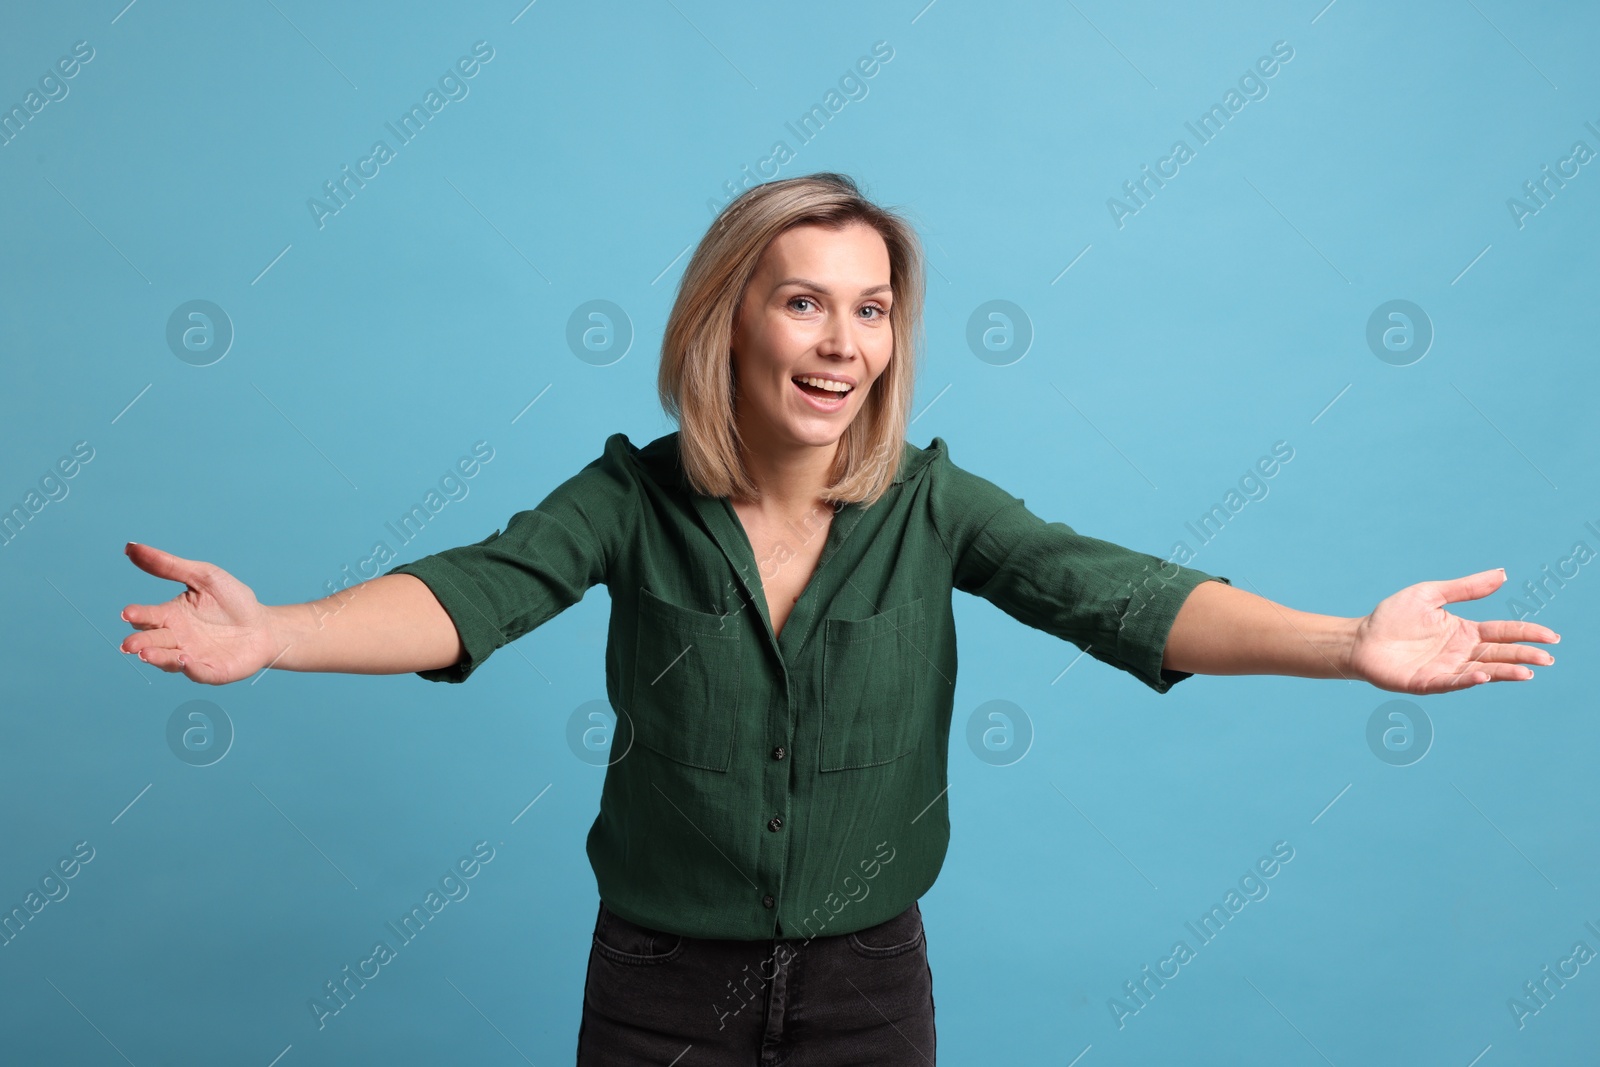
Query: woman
<point>782,654</point>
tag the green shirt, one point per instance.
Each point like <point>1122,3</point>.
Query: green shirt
<point>790,786</point>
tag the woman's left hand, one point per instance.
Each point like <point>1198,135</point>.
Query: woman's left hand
<point>1411,644</point>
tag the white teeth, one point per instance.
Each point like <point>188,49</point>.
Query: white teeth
<point>825,383</point>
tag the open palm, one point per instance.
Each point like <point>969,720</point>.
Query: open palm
<point>214,632</point>
<point>1411,644</point>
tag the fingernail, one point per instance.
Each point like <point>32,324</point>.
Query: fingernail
<point>124,614</point>
<point>141,655</point>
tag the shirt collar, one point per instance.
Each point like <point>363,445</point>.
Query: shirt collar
<point>661,458</point>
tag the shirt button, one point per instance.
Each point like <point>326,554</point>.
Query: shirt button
<point>767,901</point>
<point>775,823</point>
<point>778,753</point>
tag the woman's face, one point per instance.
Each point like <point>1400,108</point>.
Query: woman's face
<point>816,307</point>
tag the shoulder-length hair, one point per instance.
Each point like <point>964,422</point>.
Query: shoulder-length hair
<point>695,380</point>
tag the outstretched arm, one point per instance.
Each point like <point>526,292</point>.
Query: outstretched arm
<point>215,631</point>
<point>1408,644</point>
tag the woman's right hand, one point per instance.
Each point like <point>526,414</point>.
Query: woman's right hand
<point>214,632</point>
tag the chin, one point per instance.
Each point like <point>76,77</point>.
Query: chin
<point>819,437</point>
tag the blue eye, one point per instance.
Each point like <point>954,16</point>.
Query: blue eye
<point>881,311</point>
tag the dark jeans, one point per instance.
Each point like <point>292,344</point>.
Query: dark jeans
<point>652,997</point>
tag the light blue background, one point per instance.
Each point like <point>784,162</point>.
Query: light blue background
<point>1228,314</point>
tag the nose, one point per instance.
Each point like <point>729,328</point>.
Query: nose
<point>839,340</point>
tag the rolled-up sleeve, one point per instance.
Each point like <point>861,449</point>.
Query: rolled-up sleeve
<point>546,559</point>
<point>1115,603</point>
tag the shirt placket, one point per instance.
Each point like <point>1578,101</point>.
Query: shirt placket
<point>782,778</point>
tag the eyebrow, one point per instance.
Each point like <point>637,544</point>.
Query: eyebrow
<point>809,284</point>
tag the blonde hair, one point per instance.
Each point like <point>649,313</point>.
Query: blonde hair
<point>695,380</point>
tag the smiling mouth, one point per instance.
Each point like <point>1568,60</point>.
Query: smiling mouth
<point>826,396</point>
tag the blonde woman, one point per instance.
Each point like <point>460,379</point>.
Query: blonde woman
<point>782,651</point>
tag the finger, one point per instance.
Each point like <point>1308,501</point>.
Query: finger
<point>1449,683</point>
<point>145,616</point>
<point>170,660</point>
<point>155,638</point>
<point>166,565</point>
<point>1507,672</point>
<point>1515,654</point>
<point>1477,673</point>
<point>1511,630</point>
<point>1470,587</point>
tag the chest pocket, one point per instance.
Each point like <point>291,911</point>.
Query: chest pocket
<point>871,682</point>
<point>685,694</point>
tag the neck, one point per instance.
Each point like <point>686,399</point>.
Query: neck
<point>790,478</point>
